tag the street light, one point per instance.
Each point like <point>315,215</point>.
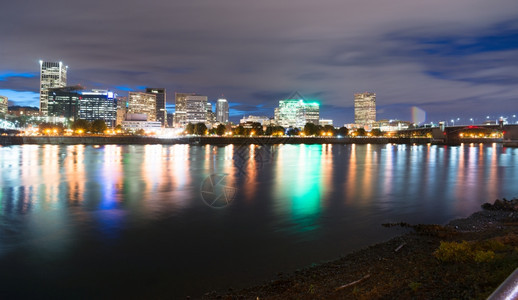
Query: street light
<point>471,119</point>
<point>453,122</point>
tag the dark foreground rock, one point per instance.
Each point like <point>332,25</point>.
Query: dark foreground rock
<point>466,259</point>
<point>504,204</point>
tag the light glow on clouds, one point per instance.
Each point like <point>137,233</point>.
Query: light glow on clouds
<point>5,75</point>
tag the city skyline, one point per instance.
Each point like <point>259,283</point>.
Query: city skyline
<point>449,60</point>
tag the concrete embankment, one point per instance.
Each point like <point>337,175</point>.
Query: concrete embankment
<point>143,140</point>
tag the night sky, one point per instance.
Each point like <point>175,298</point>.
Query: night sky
<point>451,59</point>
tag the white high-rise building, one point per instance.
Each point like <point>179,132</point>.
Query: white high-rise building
<point>142,103</point>
<point>222,111</point>
<point>364,108</point>
<point>179,110</point>
<point>191,108</point>
<point>52,75</point>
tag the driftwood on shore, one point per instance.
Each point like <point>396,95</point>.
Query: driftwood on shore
<point>400,246</point>
<point>352,283</point>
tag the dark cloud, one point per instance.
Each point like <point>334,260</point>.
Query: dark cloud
<point>440,55</point>
<point>20,81</point>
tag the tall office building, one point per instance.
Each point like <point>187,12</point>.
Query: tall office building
<point>222,111</point>
<point>161,100</point>
<point>98,105</point>
<point>309,113</point>
<point>195,109</point>
<point>179,108</point>
<point>142,103</point>
<point>71,103</point>
<point>286,112</point>
<point>52,75</point>
<point>296,113</point>
<point>122,110</point>
<point>3,106</point>
<point>63,102</point>
<point>364,108</point>
<point>211,117</point>
<point>189,108</point>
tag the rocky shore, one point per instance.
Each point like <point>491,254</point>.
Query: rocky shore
<point>465,259</point>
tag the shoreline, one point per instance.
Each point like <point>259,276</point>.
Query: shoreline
<point>259,140</point>
<point>410,265</point>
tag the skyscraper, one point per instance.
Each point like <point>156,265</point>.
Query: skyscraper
<point>309,113</point>
<point>179,108</point>
<point>142,103</point>
<point>63,102</point>
<point>286,113</point>
<point>195,109</point>
<point>161,100</point>
<point>189,108</point>
<point>122,109</point>
<point>52,75</point>
<point>211,117</point>
<point>71,103</point>
<point>364,108</point>
<point>98,105</point>
<point>296,113</point>
<point>222,111</point>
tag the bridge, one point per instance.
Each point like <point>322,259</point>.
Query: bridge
<point>7,127</point>
<point>453,135</point>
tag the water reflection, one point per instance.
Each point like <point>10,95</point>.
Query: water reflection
<point>251,170</point>
<point>74,167</point>
<point>298,185</point>
<point>303,176</point>
<point>350,189</point>
<point>111,177</point>
<point>324,197</point>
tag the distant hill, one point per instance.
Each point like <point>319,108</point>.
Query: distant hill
<point>15,107</point>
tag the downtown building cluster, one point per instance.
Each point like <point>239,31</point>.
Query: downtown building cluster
<point>62,103</point>
<point>147,109</point>
<point>139,110</point>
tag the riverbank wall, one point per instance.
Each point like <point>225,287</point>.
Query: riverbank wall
<point>144,140</point>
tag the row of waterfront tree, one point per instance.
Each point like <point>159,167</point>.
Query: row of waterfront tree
<point>79,126</point>
<point>256,129</point>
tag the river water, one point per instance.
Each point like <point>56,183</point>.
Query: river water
<point>156,220</point>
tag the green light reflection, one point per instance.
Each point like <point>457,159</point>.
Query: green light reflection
<point>299,186</point>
